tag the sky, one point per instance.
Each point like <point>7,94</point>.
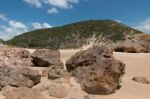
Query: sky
<point>20,16</point>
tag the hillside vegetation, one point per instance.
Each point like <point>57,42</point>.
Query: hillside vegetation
<point>74,35</point>
<point>1,41</point>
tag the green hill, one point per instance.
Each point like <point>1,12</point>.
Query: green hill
<point>74,35</point>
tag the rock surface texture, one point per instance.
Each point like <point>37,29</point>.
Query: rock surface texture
<point>96,70</point>
<point>18,77</point>
<point>15,57</point>
<point>24,93</point>
<point>54,72</point>
<point>59,90</point>
<point>46,58</point>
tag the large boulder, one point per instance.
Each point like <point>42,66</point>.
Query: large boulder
<point>24,93</point>
<point>96,70</point>
<point>17,77</point>
<point>46,58</point>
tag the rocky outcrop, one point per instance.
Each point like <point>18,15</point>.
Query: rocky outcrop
<point>128,49</point>
<point>145,42</point>
<point>17,77</point>
<point>143,80</point>
<point>96,70</point>
<point>133,44</point>
<point>24,93</point>
<point>46,58</point>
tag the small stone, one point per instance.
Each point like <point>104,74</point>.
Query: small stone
<point>75,97</point>
<point>58,91</point>
<point>89,97</point>
<point>143,80</point>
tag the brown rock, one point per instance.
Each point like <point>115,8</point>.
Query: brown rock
<point>96,70</point>
<point>55,72</point>
<point>24,93</point>
<point>145,42</point>
<point>18,77</point>
<point>46,58</point>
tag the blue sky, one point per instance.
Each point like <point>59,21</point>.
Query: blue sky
<point>19,16</point>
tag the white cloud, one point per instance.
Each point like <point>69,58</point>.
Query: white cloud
<point>64,4</point>
<point>36,3</point>
<point>3,17</point>
<point>53,10</point>
<point>37,25</point>
<point>12,29</point>
<point>61,3</point>
<point>17,24</point>
<point>46,25</point>
<point>118,21</point>
<point>143,26</point>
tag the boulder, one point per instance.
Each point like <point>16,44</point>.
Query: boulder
<point>46,58</point>
<point>17,77</point>
<point>24,93</point>
<point>143,80</point>
<point>96,70</point>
